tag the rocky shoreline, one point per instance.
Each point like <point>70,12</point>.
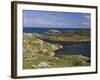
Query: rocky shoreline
<point>38,53</point>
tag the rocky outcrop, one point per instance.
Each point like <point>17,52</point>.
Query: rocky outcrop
<point>40,54</point>
<point>53,31</point>
<point>34,45</point>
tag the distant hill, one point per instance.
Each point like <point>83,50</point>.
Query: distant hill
<point>71,36</point>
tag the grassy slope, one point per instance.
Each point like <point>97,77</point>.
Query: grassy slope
<point>33,57</point>
<point>79,36</point>
<point>54,62</point>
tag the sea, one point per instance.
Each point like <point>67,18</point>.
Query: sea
<point>42,30</point>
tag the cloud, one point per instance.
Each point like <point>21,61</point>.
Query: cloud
<point>87,16</point>
<point>85,23</point>
<point>42,21</point>
<point>54,15</point>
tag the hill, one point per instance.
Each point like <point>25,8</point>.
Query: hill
<point>40,54</point>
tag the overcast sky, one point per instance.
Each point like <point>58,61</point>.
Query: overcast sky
<point>51,19</point>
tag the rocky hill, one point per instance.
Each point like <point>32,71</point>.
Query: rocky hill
<point>40,54</point>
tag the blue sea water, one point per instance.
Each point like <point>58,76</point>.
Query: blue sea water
<point>83,48</point>
<point>42,30</point>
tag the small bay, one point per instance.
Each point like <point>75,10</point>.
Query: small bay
<point>81,48</point>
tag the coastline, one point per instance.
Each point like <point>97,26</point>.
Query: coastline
<point>39,53</point>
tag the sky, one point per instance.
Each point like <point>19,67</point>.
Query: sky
<point>53,19</point>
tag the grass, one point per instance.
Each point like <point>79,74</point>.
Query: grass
<point>74,36</point>
<point>54,62</point>
<point>33,57</point>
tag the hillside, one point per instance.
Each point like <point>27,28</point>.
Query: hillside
<point>72,36</point>
<point>40,54</point>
